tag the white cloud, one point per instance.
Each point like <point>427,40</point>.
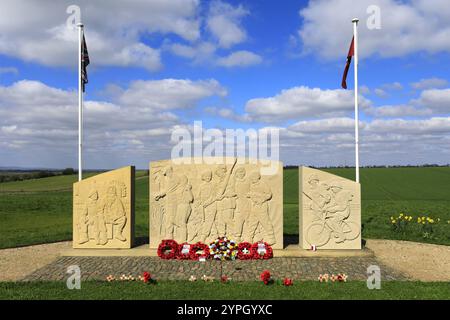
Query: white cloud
<point>38,127</point>
<point>12,70</point>
<point>333,125</point>
<point>392,86</point>
<point>430,83</point>
<point>170,94</point>
<point>382,142</point>
<point>391,111</point>
<point>436,99</point>
<point>435,125</point>
<point>227,113</point>
<point>406,27</point>
<point>38,123</point>
<point>380,93</point>
<point>224,23</point>
<point>239,58</point>
<point>35,30</point>
<point>303,102</point>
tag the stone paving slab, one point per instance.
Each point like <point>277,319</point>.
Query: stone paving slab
<point>97,268</point>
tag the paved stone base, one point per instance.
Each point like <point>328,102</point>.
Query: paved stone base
<point>97,268</point>
<point>145,251</point>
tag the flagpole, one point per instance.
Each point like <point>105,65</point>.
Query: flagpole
<point>355,46</point>
<point>80,104</point>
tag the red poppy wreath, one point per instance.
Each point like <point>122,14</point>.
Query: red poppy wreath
<point>168,249</point>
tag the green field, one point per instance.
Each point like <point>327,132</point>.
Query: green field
<point>394,290</point>
<point>40,211</point>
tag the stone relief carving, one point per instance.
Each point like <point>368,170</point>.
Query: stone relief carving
<point>200,202</point>
<point>329,210</point>
<point>102,210</point>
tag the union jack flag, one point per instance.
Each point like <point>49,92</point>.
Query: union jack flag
<point>84,63</point>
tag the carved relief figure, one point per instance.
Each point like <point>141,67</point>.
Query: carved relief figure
<point>169,192</point>
<point>330,205</point>
<point>158,209</point>
<point>183,210</point>
<point>319,196</point>
<point>90,217</point>
<point>113,213</point>
<point>242,210</point>
<point>226,200</point>
<point>259,195</point>
<point>103,210</point>
<point>100,210</point>
<point>207,206</point>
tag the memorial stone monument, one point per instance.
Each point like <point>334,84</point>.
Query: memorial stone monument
<point>103,210</point>
<point>192,202</point>
<point>329,211</point>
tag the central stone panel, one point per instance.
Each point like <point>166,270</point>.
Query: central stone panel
<point>201,199</point>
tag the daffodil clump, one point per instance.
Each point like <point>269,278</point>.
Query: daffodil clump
<point>400,223</point>
<point>426,224</point>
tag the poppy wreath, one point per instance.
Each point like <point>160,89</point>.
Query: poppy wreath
<point>257,255</point>
<point>182,254</point>
<point>245,251</point>
<point>168,249</point>
<point>195,248</point>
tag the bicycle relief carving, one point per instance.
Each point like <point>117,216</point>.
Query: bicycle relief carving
<point>192,203</point>
<point>329,204</point>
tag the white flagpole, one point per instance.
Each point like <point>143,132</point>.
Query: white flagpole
<point>355,66</point>
<point>80,104</point>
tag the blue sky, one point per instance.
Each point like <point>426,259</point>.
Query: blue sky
<point>237,64</point>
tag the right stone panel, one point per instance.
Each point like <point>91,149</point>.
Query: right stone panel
<point>329,211</point>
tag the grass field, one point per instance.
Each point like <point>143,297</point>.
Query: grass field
<point>243,290</point>
<point>40,211</point>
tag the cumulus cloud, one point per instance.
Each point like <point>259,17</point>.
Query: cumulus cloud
<point>392,86</point>
<point>303,102</point>
<point>380,93</point>
<point>382,142</point>
<point>240,58</point>
<point>35,30</point>
<point>430,83</point>
<point>227,113</point>
<point>224,23</point>
<point>12,70</point>
<point>390,111</point>
<point>406,27</point>
<point>170,94</point>
<point>38,123</point>
<point>436,99</point>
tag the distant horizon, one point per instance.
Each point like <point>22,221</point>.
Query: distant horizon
<point>289,166</point>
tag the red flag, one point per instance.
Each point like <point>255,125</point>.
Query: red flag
<point>347,65</point>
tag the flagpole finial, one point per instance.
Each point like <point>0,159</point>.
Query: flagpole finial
<point>355,20</point>
<point>80,25</point>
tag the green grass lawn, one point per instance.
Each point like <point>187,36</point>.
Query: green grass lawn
<point>40,211</point>
<point>216,290</point>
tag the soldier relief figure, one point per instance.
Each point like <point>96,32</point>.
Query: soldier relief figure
<point>222,200</point>
<point>100,210</point>
<point>330,206</point>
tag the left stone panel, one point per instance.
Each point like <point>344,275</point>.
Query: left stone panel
<point>103,210</point>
